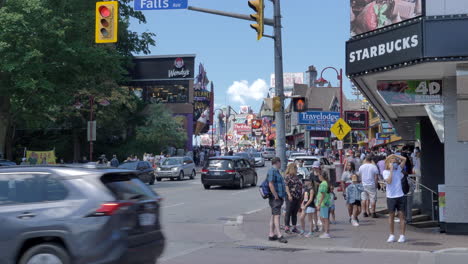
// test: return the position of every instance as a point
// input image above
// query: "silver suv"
(76, 215)
(176, 168)
(269, 153)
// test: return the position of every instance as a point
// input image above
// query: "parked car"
(4, 162)
(144, 170)
(77, 215)
(269, 153)
(293, 155)
(259, 160)
(176, 168)
(246, 155)
(228, 171)
(324, 163)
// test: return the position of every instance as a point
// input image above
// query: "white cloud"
(240, 91)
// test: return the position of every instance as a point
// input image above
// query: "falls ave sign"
(160, 4)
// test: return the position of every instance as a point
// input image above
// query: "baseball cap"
(316, 164)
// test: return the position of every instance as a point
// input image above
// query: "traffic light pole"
(280, 144)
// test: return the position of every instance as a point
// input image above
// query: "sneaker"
(295, 230)
(374, 215)
(366, 215)
(310, 234)
(325, 235)
(273, 238)
(391, 239)
(301, 232)
(282, 240)
(402, 239)
(397, 220)
(354, 223)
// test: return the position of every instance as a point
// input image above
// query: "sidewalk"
(371, 234)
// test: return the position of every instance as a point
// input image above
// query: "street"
(227, 225)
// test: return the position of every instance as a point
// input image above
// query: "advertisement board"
(257, 127)
(357, 120)
(318, 120)
(289, 79)
(242, 129)
(411, 92)
(369, 15)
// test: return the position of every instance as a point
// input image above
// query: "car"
(246, 155)
(228, 171)
(176, 168)
(324, 163)
(259, 160)
(59, 214)
(4, 162)
(143, 168)
(269, 153)
(293, 155)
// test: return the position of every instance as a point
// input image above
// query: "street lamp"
(339, 76)
(212, 127)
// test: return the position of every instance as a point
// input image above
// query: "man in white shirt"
(396, 201)
(369, 175)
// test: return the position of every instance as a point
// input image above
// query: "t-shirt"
(346, 177)
(368, 172)
(381, 165)
(394, 189)
(295, 186)
(323, 192)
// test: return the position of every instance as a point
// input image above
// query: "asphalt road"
(202, 226)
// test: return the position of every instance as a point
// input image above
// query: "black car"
(247, 156)
(4, 162)
(228, 171)
(144, 169)
(57, 214)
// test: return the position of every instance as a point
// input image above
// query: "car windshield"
(128, 165)
(170, 162)
(220, 164)
(257, 155)
(309, 162)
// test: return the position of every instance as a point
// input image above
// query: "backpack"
(405, 184)
(264, 189)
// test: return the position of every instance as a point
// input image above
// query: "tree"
(49, 61)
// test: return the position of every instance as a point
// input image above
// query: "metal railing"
(418, 187)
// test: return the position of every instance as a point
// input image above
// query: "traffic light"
(107, 19)
(276, 104)
(258, 7)
(299, 104)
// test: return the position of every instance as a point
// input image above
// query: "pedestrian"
(332, 204)
(417, 161)
(316, 171)
(323, 205)
(353, 199)
(393, 174)
(370, 178)
(308, 208)
(24, 162)
(231, 152)
(202, 158)
(293, 203)
(278, 191)
(114, 161)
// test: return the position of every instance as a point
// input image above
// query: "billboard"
(289, 79)
(369, 15)
(357, 120)
(411, 92)
(242, 129)
(257, 127)
(318, 120)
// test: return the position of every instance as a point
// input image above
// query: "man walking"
(278, 194)
(114, 161)
(369, 175)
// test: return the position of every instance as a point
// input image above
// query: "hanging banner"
(40, 157)
(357, 120)
(257, 127)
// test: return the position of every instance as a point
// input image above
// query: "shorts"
(276, 205)
(396, 204)
(310, 210)
(324, 212)
(332, 207)
(369, 193)
(358, 203)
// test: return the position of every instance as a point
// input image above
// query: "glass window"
(127, 187)
(172, 161)
(171, 92)
(220, 164)
(55, 190)
(128, 165)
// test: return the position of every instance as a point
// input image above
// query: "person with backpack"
(276, 199)
(396, 182)
(308, 208)
(323, 204)
(294, 197)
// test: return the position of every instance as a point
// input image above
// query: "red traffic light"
(104, 11)
(299, 104)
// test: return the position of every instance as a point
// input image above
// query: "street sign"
(339, 145)
(340, 129)
(160, 4)
(382, 136)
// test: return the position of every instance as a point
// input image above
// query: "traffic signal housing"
(299, 104)
(259, 8)
(107, 20)
(276, 104)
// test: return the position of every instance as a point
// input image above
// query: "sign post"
(141, 5)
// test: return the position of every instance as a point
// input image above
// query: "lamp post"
(339, 75)
(212, 127)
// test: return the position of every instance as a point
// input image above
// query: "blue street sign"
(318, 118)
(160, 4)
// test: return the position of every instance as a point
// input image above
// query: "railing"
(418, 187)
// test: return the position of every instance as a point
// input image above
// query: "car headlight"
(175, 169)
(158, 169)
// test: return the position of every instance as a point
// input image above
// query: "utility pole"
(280, 144)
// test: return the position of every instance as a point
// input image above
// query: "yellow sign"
(40, 157)
(340, 129)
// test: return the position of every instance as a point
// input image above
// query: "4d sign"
(160, 4)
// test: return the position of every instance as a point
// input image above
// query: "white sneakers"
(354, 223)
(325, 235)
(391, 239)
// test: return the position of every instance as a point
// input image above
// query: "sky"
(314, 33)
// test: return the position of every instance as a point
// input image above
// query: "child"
(353, 197)
(332, 206)
(307, 207)
(323, 204)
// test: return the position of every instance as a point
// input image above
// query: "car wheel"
(45, 253)
(255, 181)
(159, 179)
(206, 186)
(181, 176)
(194, 174)
(241, 183)
(152, 180)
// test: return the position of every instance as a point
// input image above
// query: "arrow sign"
(160, 4)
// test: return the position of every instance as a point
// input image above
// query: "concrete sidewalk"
(370, 235)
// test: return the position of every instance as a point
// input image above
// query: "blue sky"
(314, 33)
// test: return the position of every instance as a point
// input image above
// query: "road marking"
(173, 205)
(254, 211)
(239, 192)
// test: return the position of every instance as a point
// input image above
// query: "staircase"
(418, 219)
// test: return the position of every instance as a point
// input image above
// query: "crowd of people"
(312, 198)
